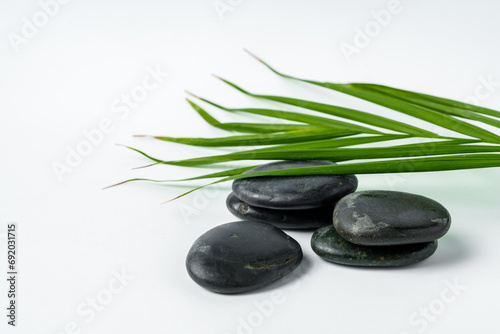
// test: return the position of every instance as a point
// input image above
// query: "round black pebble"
(380, 218)
(293, 192)
(242, 256)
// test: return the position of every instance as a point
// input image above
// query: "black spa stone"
(242, 256)
(286, 219)
(293, 192)
(380, 218)
(329, 245)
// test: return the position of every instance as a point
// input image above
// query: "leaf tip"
(218, 77)
(172, 199)
(140, 167)
(191, 94)
(251, 54)
(114, 185)
(146, 136)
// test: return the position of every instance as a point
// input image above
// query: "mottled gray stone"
(380, 218)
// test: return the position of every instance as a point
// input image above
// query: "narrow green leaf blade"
(415, 98)
(297, 136)
(347, 113)
(429, 115)
(335, 142)
(226, 173)
(331, 143)
(299, 117)
(246, 127)
(264, 127)
(427, 164)
(338, 154)
(444, 101)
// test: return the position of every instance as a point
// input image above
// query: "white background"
(65, 79)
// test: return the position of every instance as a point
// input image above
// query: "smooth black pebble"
(242, 256)
(286, 219)
(380, 218)
(293, 192)
(329, 245)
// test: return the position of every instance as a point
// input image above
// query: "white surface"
(73, 236)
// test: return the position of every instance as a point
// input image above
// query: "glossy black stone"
(293, 192)
(286, 219)
(328, 244)
(242, 256)
(380, 218)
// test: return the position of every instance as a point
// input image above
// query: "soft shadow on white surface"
(452, 250)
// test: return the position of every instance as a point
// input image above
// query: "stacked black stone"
(290, 202)
(382, 228)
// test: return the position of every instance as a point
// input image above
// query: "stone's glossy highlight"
(293, 192)
(328, 244)
(381, 218)
(286, 219)
(242, 256)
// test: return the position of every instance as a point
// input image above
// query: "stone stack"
(367, 228)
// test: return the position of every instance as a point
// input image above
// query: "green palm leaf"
(311, 137)
(246, 127)
(417, 99)
(335, 154)
(296, 136)
(298, 117)
(417, 111)
(352, 114)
